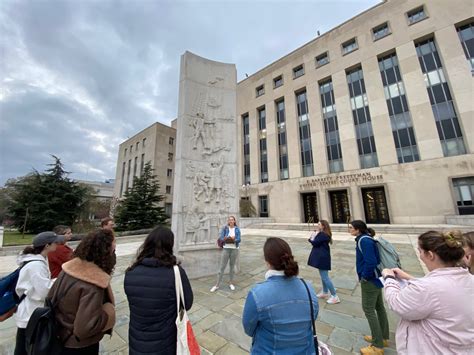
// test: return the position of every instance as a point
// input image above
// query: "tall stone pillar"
(205, 184)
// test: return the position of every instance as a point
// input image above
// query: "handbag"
(220, 242)
(320, 347)
(186, 343)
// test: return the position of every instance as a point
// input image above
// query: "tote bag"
(186, 341)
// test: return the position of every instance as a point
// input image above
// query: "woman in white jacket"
(34, 282)
(436, 311)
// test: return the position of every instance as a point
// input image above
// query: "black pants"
(20, 346)
(90, 350)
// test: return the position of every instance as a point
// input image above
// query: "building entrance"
(340, 206)
(310, 207)
(375, 205)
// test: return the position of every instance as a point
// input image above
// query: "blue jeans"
(327, 283)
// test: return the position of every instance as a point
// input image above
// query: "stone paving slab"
(216, 317)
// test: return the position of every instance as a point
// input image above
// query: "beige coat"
(87, 311)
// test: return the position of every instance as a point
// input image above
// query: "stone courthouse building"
(372, 119)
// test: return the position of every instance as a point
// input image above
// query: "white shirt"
(272, 272)
(231, 234)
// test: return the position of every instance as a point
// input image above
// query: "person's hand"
(386, 272)
(400, 274)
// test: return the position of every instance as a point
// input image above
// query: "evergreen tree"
(38, 202)
(139, 209)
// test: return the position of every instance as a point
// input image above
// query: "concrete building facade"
(372, 120)
(154, 144)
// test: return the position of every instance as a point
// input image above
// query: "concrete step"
(379, 228)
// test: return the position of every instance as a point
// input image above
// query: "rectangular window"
(171, 141)
(170, 156)
(136, 146)
(143, 142)
(125, 152)
(262, 122)
(246, 146)
(449, 130)
(142, 164)
(282, 142)
(131, 149)
(262, 126)
(168, 189)
(259, 91)
(135, 163)
(263, 206)
(416, 15)
(349, 46)
(400, 118)
(128, 174)
(322, 59)
(331, 127)
(380, 31)
(298, 71)
(169, 173)
(464, 191)
(278, 81)
(304, 134)
(168, 209)
(122, 180)
(466, 36)
(362, 121)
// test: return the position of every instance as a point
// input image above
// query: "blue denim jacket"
(277, 316)
(225, 233)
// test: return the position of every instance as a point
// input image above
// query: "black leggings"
(89, 350)
(20, 346)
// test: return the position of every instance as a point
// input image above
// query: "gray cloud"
(78, 77)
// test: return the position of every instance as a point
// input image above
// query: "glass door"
(310, 207)
(375, 205)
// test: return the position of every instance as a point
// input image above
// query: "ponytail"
(33, 250)
(278, 254)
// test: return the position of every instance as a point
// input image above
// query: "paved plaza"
(216, 318)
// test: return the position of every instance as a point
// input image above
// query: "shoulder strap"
(64, 293)
(23, 296)
(312, 315)
(360, 240)
(178, 287)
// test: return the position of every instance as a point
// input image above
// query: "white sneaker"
(323, 294)
(333, 300)
(214, 288)
(232, 287)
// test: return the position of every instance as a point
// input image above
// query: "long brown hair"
(278, 254)
(326, 229)
(159, 245)
(96, 247)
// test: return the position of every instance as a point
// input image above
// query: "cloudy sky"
(79, 77)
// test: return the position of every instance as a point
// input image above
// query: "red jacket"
(57, 258)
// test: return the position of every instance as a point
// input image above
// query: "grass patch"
(16, 238)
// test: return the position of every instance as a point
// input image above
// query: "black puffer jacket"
(151, 296)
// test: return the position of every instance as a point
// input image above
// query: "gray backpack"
(388, 255)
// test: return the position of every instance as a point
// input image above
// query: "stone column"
(205, 185)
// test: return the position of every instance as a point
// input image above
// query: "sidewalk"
(216, 317)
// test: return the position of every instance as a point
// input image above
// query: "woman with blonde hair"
(320, 258)
(230, 239)
(436, 313)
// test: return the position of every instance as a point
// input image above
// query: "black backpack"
(9, 300)
(42, 337)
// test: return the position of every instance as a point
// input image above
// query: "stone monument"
(205, 184)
